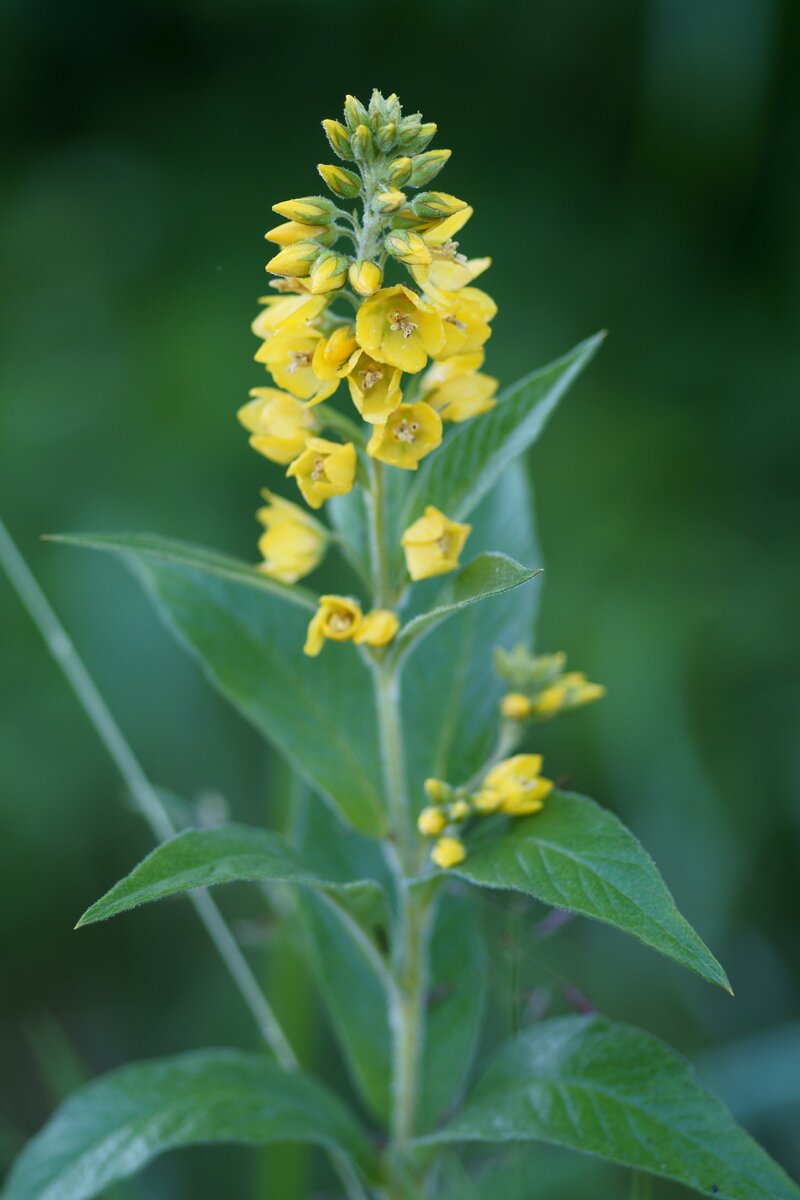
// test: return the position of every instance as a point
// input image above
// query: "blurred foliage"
(632, 165)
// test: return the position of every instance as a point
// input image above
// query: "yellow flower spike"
(467, 314)
(279, 424)
(433, 543)
(459, 810)
(308, 210)
(365, 277)
(431, 822)
(521, 788)
(394, 327)
(486, 801)
(324, 469)
(296, 259)
(436, 206)
(328, 274)
(378, 628)
(292, 543)
(289, 356)
(464, 397)
(338, 138)
(287, 313)
(292, 231)
(438, 791)
(374, 387)
(515, 706)
(337, 618)
(448, 852)
(424, 167)
(342, 182)
(410, 432)
(408, 248)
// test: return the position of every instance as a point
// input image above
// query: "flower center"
(340, 622)
(406, 431)
(318, 469)
(370, 376)
(443, 543)
(450, 251)
(298, 359)
(401, 322)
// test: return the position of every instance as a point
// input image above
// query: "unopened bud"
(308, 210)
(362, 143)
(431, 822)
(365, 277)
(328, 274)
(408, 248)
(438, 791)
(399, 171)
(295, 259)
(459, 810)
(342, 182)
(378, 110)
(408, 130)
(386, 136)
(515, 706)
(292, 231)
(338, 139)
(393, 107)
(435, 206)
(390, 201)
(354, 113)
(426, 166)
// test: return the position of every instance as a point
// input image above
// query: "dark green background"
(633, 165)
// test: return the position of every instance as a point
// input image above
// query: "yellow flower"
(292, 231)
(431, 821)
(522, 789)
(295, 259)
(374, 387)
(394, 327)
(409, 433)
(365, 277)
(292, 543)
(337, 618)
(451, 274)
(378, 628)
(333, 354)
(290, 356)
(448, 852)
(287, 313)
(467, 314)
(464, 397)
(433, 544)
(516, 706)
(324, 469)
(279, 424)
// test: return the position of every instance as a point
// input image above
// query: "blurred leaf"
(203, 858)
(606, 1089)
(348, 515)
(115, 1126)
(250, 644)
(60, 1065)
(579, 856)
(489, 574)
(475, 455)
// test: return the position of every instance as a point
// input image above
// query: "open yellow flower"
(450, 273)
(378, 628)
(433, 543)
(290, 358)
(374, 387)
(394, 327)
(324, 469)
(409, 433)
(287, 313)
(292, 543)
(517, 781)
(279, 424)
(337, 618)
(467, 314)
(464, 396)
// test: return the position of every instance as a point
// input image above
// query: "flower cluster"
(540, 687)
(514, 787)
(409, 348)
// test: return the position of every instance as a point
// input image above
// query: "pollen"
(298, 360)
(340, 622)
(400, 322)
(406, 431)
(370, 376)
(318, 469)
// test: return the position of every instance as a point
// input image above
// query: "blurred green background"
(633, 165)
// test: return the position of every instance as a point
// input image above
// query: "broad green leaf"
(613, 1091)
(112, 1128)
(205, 857)
(490, 574)
(475, 455)
(579, 856)
(450, 697)
(249, 639)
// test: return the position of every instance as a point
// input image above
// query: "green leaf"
(578, 856)
(112, 1128)
(205, 857)
(490, 574)
(348, 515)
(474, 456)
(248, 635)
(606, 1089)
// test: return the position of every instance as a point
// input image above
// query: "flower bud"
(378, 110)
(431, 822)
(399, 171)
(459, 810)
(408, 248)
(338, 139)
(362, 143)
(365, 277)
(295, 259)
(292, 231)
(425, 136)
(435, 206)
(448, 852)
(342, 182)
(393, 107)
(515, 706)
(308, 210)
(328, 274)
(386, 136)
(426, 166)
(354, 113)
(390, 201)
(438, 791)
(408, 130)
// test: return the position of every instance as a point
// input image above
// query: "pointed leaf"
(112, 1128)
(606, 1089)
(248, 634)
(579, 856)
(489, 574)
(205, 857)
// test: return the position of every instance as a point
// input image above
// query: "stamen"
(298, 360)
(455, 321)
(401, 322)
(443, 543)
(318, 469)
(406, 431)
(340, 622)
(370, 376)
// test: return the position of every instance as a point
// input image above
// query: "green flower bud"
(378, 111)
(308, 210)
(354, 113)
(385, 137)
(426, 166)
(328, 274)
(389, 202)
(394, 108)
(435, 206)
(408, 248)
(342, 182)
(399, 171)
(337, 137)
(362, 143)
